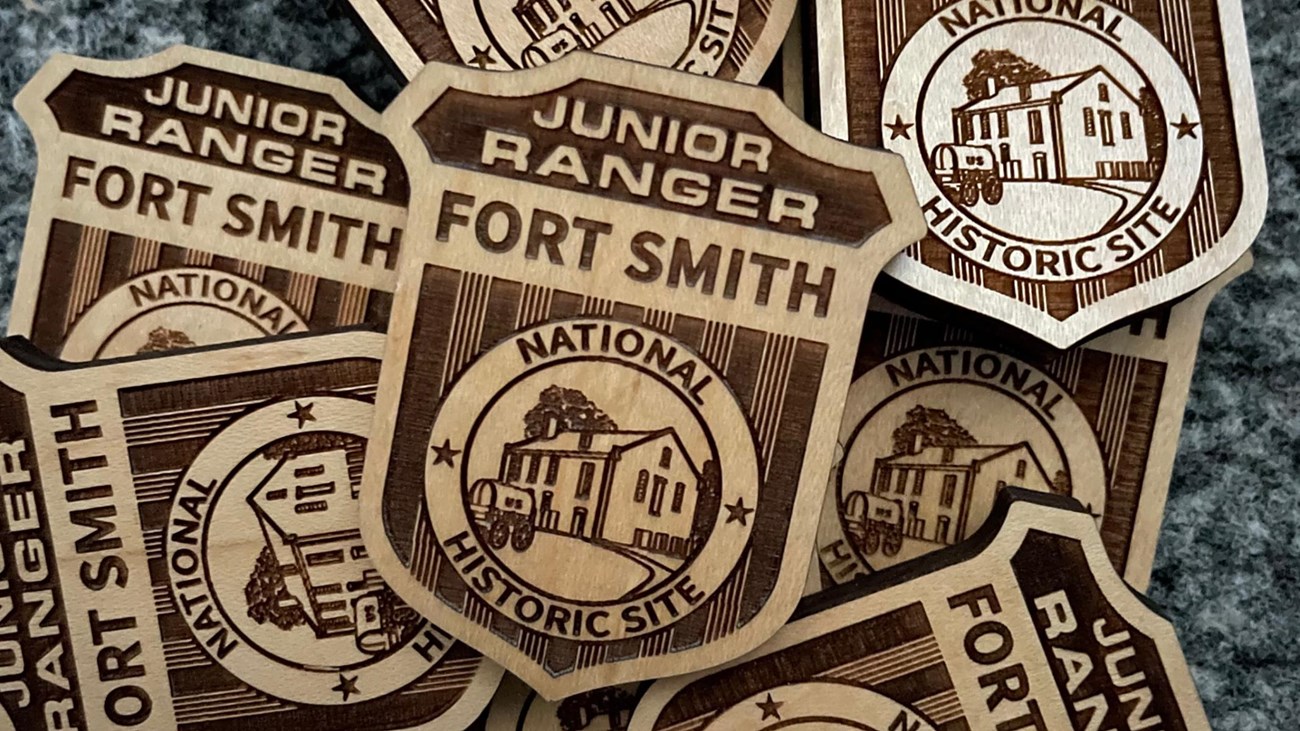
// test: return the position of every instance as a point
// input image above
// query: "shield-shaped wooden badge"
(1028, 627)
(192, 198)
(618, 374)
(1078, 161)
(516, 707)
(728, 39)
(940, 418)
(191, 554)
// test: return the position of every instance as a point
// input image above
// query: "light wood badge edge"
(906, 226)
(1014, 515)
(828, 39)
(31, 105)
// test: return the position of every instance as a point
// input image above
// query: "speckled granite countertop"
(1228, 569)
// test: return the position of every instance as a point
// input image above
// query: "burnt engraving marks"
(610, 403)
(1027, 627)
(1077, 163)
(192, 198)
(191, 553)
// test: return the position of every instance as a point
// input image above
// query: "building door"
(1040, 166)
(578, 525)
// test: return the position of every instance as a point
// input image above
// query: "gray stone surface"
(1228, 563)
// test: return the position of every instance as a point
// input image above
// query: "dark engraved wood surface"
(611, 403)
(192, 198)
(940, 417)
(1025, 627)
(188, 553)
(1067, 184)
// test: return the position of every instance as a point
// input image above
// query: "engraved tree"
(1061, 483)
(1153, 121)
(926, 427)
(1004, 68)
(577, 713)
(569, 409)
(268, 598)
(706, 503)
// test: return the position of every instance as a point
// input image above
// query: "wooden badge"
(185, 549)
(1078, 161)
(1027, 628)
(192, 198)
(729, 39)
(620, 374)
(939, 419)
(516, 707)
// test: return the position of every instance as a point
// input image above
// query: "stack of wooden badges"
(572, 367)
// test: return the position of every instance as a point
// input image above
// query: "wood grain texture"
(1077, 163)
(619, 368)
(940, 417)
(193, 198)
(728, 39)
(190, 550)
(1026, 627)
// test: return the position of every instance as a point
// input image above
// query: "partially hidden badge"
(1077, 162)
(193, 554)
(516, 707)
(1027, 627)
(619, 374)
(729, 39)
(191, 198)
(939, 419)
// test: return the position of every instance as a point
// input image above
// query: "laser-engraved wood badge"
(729, 39)
(1027, 627)
(192, 198)
(1077, 161)
(938, 419)
(183, 549)
(619, 376)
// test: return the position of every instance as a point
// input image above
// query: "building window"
(986, 130)
(1089, 122)
(916, 484)
(327, 589)
(941, 529)
(1126, 125)
(320, 488)
(1020, 469)
(1035, 127)
(1003, 131)
(666, 458)
(585, 474)
(358, 553)
(1103, 93)
(882, 480)
(966, 131)
(277, 494)
(642, 481)
(325, 558)
(657, 497)
(949, 490)
(534, 466)
(679, 494)
(514, 467)
(552, 469)
(1107, 128)
(546, 501)
(314, 506)
(902, 480)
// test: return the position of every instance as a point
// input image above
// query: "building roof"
(1039, 91)
(961, 456)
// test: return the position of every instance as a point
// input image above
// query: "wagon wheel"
(522, 538)
(970, 192)
(992, 190)
(893, 543)
(871, 542)
(498, 533)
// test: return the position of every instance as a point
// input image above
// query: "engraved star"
(347, 686)
(770, 708)
(1186, 127)
(302, 412)
(483, 57)
(899, 128)
(445, 454)
(738, 512)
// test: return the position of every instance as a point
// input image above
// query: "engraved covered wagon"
(968, 173)
(507, 513)
(875, 523)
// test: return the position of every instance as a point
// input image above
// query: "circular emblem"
(1038, 162)
(177, 308)
(690, 35)
(928, 440)
(820, 706)
(266, 564)
(607, 476)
